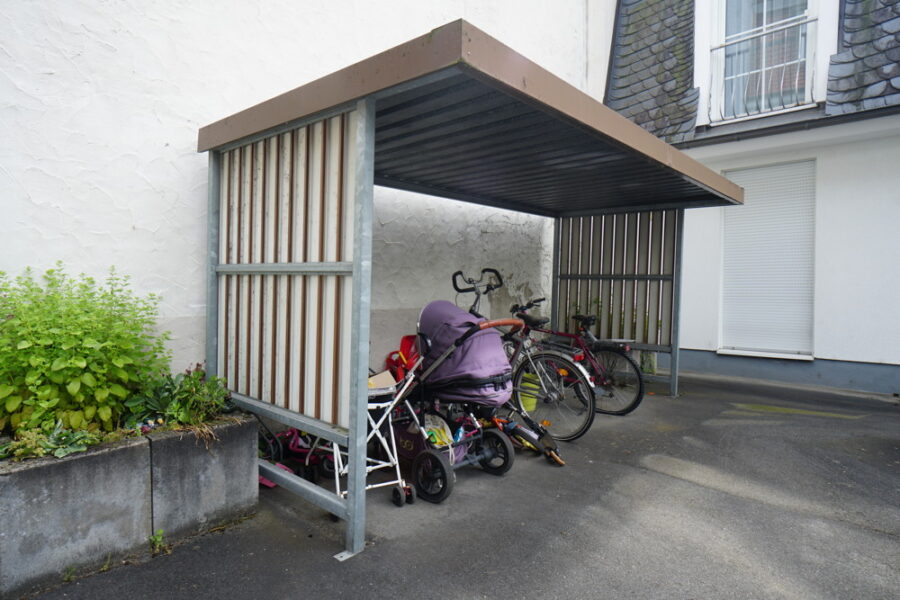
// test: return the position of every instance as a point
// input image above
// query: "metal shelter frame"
(453, 113)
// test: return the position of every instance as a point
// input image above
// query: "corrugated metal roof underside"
(461, 138)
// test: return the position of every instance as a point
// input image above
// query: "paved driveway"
(730, 491)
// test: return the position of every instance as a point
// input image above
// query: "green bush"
(72, 351)
(188, 398)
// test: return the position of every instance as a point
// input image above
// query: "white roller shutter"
(769, 245)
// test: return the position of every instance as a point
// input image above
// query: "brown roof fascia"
(439, 49)
(532, 82)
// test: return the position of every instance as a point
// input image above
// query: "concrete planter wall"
(84, 510)
(195, 487)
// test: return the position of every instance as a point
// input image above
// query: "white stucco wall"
(857, 277)
(101, 103)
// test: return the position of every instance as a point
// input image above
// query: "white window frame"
(709, 32)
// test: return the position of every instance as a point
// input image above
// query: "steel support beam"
(617, 277)
(364, 147)
(315, 427)
(305, 489)
(308, 268)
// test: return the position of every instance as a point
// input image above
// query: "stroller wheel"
(498, 453)
(398, 496)
(433, 476)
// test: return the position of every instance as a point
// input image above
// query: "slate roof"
(652, 69)
(866, 74)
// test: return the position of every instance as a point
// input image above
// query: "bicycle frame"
(583, 352)
(523, 351)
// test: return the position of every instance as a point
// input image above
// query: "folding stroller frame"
(387, 443)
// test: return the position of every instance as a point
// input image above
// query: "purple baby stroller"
(463, 377)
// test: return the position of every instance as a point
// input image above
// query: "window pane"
(743, 15)
(785, 85)
(779, 10)
(743, 83)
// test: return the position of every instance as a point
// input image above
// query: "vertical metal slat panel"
(667, 266)
(643, 268)
(654, 285)
(629, 269)
(312, 321)
(623, 263)
(344, 367)
(255, 228)
(565, 252)
(584, 266)
(289, 199)
(618, 284)
(604, 329)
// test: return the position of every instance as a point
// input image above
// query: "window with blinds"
(767, 295)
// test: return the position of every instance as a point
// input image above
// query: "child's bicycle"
(617, 381)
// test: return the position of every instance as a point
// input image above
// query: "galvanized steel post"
(212, 263)
(364, 146)
(676, 303)
(555, 282)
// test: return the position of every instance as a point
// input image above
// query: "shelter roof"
(460, 115)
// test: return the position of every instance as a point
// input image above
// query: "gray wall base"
(865, 377)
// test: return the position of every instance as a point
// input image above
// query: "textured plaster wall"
(857, 245)
(420, 241)
(102, 100)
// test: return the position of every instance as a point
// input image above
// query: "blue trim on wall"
(867, 377)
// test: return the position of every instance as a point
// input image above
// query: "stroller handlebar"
(516, 324)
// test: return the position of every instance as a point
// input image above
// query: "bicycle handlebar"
(456, 286)
(475, 283)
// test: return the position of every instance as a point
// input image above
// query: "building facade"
(798, 101)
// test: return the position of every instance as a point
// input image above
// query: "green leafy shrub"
(188, 398)
(59, 442)
(73, 351)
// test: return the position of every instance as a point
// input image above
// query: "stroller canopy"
(478, 371)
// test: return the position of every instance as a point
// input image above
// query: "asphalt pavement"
(735, 489)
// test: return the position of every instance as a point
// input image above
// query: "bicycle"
(616, 378)
(551, 392)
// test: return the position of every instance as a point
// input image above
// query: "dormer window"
(763, 59)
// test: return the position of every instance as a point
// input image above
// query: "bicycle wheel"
(619, 385)
(554, 393)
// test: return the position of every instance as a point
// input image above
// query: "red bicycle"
(617, 380)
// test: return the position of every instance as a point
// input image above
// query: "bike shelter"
(455, 114)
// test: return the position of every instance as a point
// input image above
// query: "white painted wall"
(101, 103)
(857, 277)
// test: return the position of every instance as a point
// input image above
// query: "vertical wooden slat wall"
(285, 338)
(620, 267)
